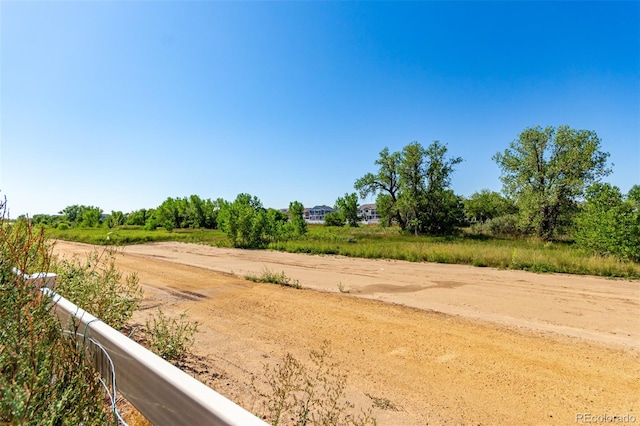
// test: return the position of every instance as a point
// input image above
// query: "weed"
(341, 288)
(170, 338)
(268, 276)
(383, 403)
(302, 395)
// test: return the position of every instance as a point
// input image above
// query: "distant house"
(369, 213)
(316, 214)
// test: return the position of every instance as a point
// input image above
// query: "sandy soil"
(442, 344)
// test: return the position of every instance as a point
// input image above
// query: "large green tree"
(386, 184)
(412, 188)
(547, 170)
(347, 207)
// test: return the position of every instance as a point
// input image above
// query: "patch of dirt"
(420, 343)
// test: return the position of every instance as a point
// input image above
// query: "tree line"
(551, 188)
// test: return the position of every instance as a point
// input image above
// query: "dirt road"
(457, 345)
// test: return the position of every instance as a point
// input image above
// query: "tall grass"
(528, 254)
(136, 235)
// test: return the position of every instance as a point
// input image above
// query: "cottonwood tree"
(546, 170)
(386, 184)
(412, 188)
(347, 207)
(296, 219)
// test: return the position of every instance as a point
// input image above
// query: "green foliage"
(45, 219)
(170, 338)
(243, 221)
(609, 224)
(385, 183)
(506, 225)
(115, 219)
(96, 286)
(247, 224)
(73, 213)
(91, 217)
(546, 170)
(348, 208)
(501, 226)
(296, 219)
(78, 215)
(335, 218)
(188, 212)
(135, 235)
(313, 394)
(267, 276)
(486, 205)
(413, 189)
(45, 379)
(138, 217)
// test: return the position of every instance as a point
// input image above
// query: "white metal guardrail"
(163, 393)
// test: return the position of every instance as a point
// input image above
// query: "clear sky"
(121, 104)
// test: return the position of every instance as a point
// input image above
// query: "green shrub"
(45, 378)
(170, 338)
(609, 224)
(334, 219)
(95, 285)
(505, 225)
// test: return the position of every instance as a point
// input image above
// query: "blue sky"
(121, 104)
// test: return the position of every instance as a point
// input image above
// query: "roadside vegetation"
(554, 213)
(169, 337)
(268, 276)
(47, 372)
(314, 393)
(46, 378)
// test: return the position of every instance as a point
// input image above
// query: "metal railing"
(163, 393)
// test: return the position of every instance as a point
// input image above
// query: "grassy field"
(376, 243)
(136, 235)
